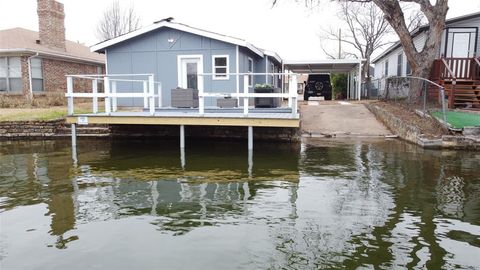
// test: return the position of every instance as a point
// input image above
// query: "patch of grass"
(43, 114)
(460, 119)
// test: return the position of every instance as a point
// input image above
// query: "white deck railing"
(110, 94)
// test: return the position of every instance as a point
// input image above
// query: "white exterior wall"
(418, 41)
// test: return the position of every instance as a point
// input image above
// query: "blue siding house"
(176, 53)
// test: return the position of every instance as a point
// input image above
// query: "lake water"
(319, 204)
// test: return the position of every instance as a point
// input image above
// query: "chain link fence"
(413, 92)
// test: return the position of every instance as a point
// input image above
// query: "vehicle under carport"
(352, 67)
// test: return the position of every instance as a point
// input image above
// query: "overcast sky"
(290, 29)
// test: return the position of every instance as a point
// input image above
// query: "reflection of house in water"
(40, 177)
(145, 180)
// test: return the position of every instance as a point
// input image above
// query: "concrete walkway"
(339, 119)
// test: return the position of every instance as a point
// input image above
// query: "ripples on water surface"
(323, 204)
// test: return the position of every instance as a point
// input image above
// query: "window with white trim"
(220, 67)
(37, 74)
(10, 74)
(250, 70)
(399, 64)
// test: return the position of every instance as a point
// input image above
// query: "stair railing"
(451, 96)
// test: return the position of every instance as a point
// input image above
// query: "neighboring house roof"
(421, 29)
(274, 55)
(100, 47)
(20, 40)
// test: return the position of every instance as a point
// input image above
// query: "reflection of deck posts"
(245, 91)
(182, 146)
(95, 98)
(145, 99)
(107, 96)
(151, 92)
(114, 99)
(182, 136)
(250, 163)
(154, 193)
(250, 138)
(74, 144)
(70, 98)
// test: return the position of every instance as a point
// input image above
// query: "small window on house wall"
(250, 70)
(220, 67)
(409, 69)
(37, 74)
(10, 74)
(399, 64)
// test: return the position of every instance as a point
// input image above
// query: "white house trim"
(181, 27)
(214, 76)
(274, 55)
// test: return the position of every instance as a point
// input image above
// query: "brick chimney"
(51, 22)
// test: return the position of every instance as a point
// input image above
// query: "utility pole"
(339, 43)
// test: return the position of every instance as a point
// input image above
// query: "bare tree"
(367, 32)
(117, 20)
(420, 61)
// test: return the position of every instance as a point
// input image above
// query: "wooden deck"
(191, 117)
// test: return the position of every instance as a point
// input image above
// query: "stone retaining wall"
(413, 134)
(30, 129)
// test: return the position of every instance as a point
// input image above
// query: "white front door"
(189, 66)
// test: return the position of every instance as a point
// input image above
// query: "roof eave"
(100, 47)
(55, 55)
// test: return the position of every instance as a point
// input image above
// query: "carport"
(352, 67)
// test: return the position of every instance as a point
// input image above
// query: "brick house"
(34, 63)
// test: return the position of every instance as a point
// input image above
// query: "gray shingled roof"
(23, 40)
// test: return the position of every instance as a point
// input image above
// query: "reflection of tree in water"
(408, 237)
(385, 207)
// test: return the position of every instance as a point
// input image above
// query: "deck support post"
(70, 92)
(250, 163)
(74, 143)
(114, 99)
(182, 158)
(182, 136)
(245, 91)
(250, 138)
(95, 97)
